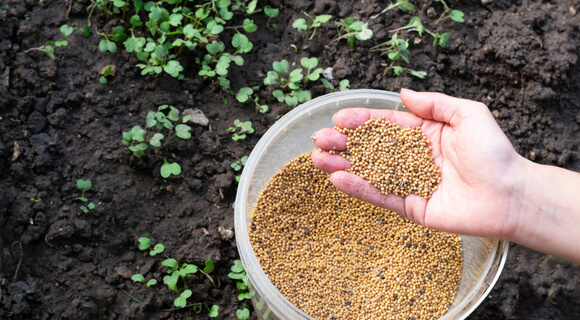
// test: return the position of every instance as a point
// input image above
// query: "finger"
(361, 189)
(355, 117)
(330, 139)
(411, 207)
(438, 106)
(329, 162)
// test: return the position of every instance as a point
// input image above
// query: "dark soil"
(518, 57)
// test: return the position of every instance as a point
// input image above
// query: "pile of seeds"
(336, 257)
(395, 160)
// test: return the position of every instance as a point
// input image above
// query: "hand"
(480, 170)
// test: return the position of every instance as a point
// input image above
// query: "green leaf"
(119, 3)
(443, 40)
(241, 286)
(214, 28)
(144, 243)
(156, 140)
(300, 25)
(175, 19)
(136, 21)
(84, 185)
(49, 50)
(215, 47)
(418, 74)
(171, 264)
(159, 248)
(295, 75)
(83, 199)
(209, 266)
(271, 12)
(278, 94)
(119, 34)
(138, 133)
(213, 312)
(243, 314)
(291, 101)
(252, 7)
(226, 14)
(398, 70)
(91, 206)
(319, 20)
(281, 66)
(84, 209)
(181, 301)
(138, 278)
(85, 30)
(138, 149)
(404, 5)
(315, 74)
(244, 94)
(187, 269)
(66, 30)
(173, 68)
(309, 63)
(150, 283)
(456, 15)
(263, 108)
(168, 169)
(183, 131)
(344, 85)
(171, 281)
(238, 267)
(393, 56)
(271, 78)
(249, 26)
(243, 296)
(241, 42)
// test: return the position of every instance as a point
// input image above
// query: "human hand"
(479, 167)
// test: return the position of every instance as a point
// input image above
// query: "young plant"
(271, 13)
(48, 48)
(140, 278)
(165, 119)
(448, 13)
(311, 73)
(397, 49)
(84, 186)
(238, 165)
(301, 24)
(240, 129)
(289, 81)
(220, 60)
(239, 273)
(106, 72)
(145, 244)
(246, 94)
(414, 25)
(352, 30)
(109, 43)
(403, 5)
(343, 85)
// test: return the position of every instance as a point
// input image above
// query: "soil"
(59, 124)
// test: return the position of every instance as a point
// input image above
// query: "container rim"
(271, 296)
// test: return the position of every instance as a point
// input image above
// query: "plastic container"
(289, 138)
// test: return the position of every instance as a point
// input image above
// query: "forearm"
(549, 211)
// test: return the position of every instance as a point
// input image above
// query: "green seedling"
(109, 43)
(271, 13)
(209, 266)
(311, 73)
(84, 186)
(165, 119)
(352, 30)
(448, 13)
(289, 81)
(397, 49)
(403, 5)
(343, 85)
(140, 278)
(301, 24)
(35, 200)
(106, 72)
(440, 39)
(239, 273)
(238, 165)
(145, 244)
(246, 94)
(241, 129)
(243, 7)
(248, 25)
(414, 25)
(48, 48)
(221, 60)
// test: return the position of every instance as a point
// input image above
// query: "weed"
(238, 165)
(301, 24)
(84, 186)
(167, 119)
(403, 5)
(352, 30)
(241, 129)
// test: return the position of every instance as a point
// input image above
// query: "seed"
(401, 166)
(333, 264)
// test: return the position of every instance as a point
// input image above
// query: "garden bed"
(59, 123)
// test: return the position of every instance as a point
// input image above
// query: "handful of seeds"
(395, 160)
(336, 257)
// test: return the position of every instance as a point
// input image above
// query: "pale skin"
(487, 189)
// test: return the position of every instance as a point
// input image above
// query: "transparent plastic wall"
(291, 137)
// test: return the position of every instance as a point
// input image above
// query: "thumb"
(438, 106)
